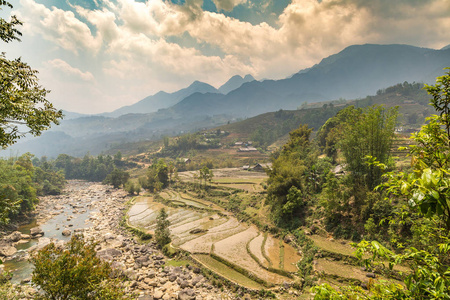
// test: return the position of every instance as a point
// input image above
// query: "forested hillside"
(356, 191)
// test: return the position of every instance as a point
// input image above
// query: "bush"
(74, 272)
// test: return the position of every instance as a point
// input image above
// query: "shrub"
(74, 272)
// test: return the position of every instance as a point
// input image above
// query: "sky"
(98, 55)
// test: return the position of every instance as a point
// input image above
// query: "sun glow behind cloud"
(99, 59)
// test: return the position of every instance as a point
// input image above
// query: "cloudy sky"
(98, 55)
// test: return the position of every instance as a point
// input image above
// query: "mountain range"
(355, 72)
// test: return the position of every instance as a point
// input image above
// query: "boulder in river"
(66, 232)
(13, 237)
(34, 232)
(7, 251)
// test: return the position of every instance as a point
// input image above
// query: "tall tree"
(23, 104)
(162, 232)
(288, 183)
(369, 132)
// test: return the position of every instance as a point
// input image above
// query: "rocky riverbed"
(96, 211)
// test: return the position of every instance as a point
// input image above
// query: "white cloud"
(59, 26)
(64, 67)
(228, 5)
(129, 45)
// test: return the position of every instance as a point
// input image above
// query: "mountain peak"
(248, 78)
(235, 82)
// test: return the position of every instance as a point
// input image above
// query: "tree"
(157, 176)
(205, 174)
(117, 178)
(131, 187)
(74, 272)
(162, 232)
(288, 183)
(22, 99)
(368, 132)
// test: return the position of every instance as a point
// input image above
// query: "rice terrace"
(235, 250)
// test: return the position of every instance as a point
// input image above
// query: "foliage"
(21, 182)
(289, 185)
(157, 176)
(162, 232)
(74, 272)
(117, 178)
(22, 99)
(89, 167)
(132, 187)
(362, 136)
(305, 266)
(425, 190)
(368, 133)
(10, 292)
(205, 174)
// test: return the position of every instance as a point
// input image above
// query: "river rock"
(187, 294)
(25, 237)
(158, 294)
(172, 277)
(13, 237)
(109, 254)
(34, 232)
(7, 250)
(66, 232)
(42, 242)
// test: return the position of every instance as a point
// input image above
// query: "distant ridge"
(162, 100)
(355, 72)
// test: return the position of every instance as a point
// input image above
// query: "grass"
(177, 263)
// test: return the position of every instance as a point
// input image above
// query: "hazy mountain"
(162, 100)
(234, 83)
(72, 115)
(353, 73)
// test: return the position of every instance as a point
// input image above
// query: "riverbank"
(101, 209)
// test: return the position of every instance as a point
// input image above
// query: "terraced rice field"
(341, 270)
(255, 247)
(216, 233)
(227, 272)
(290, 257)
(234, 249)
(272, 251)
